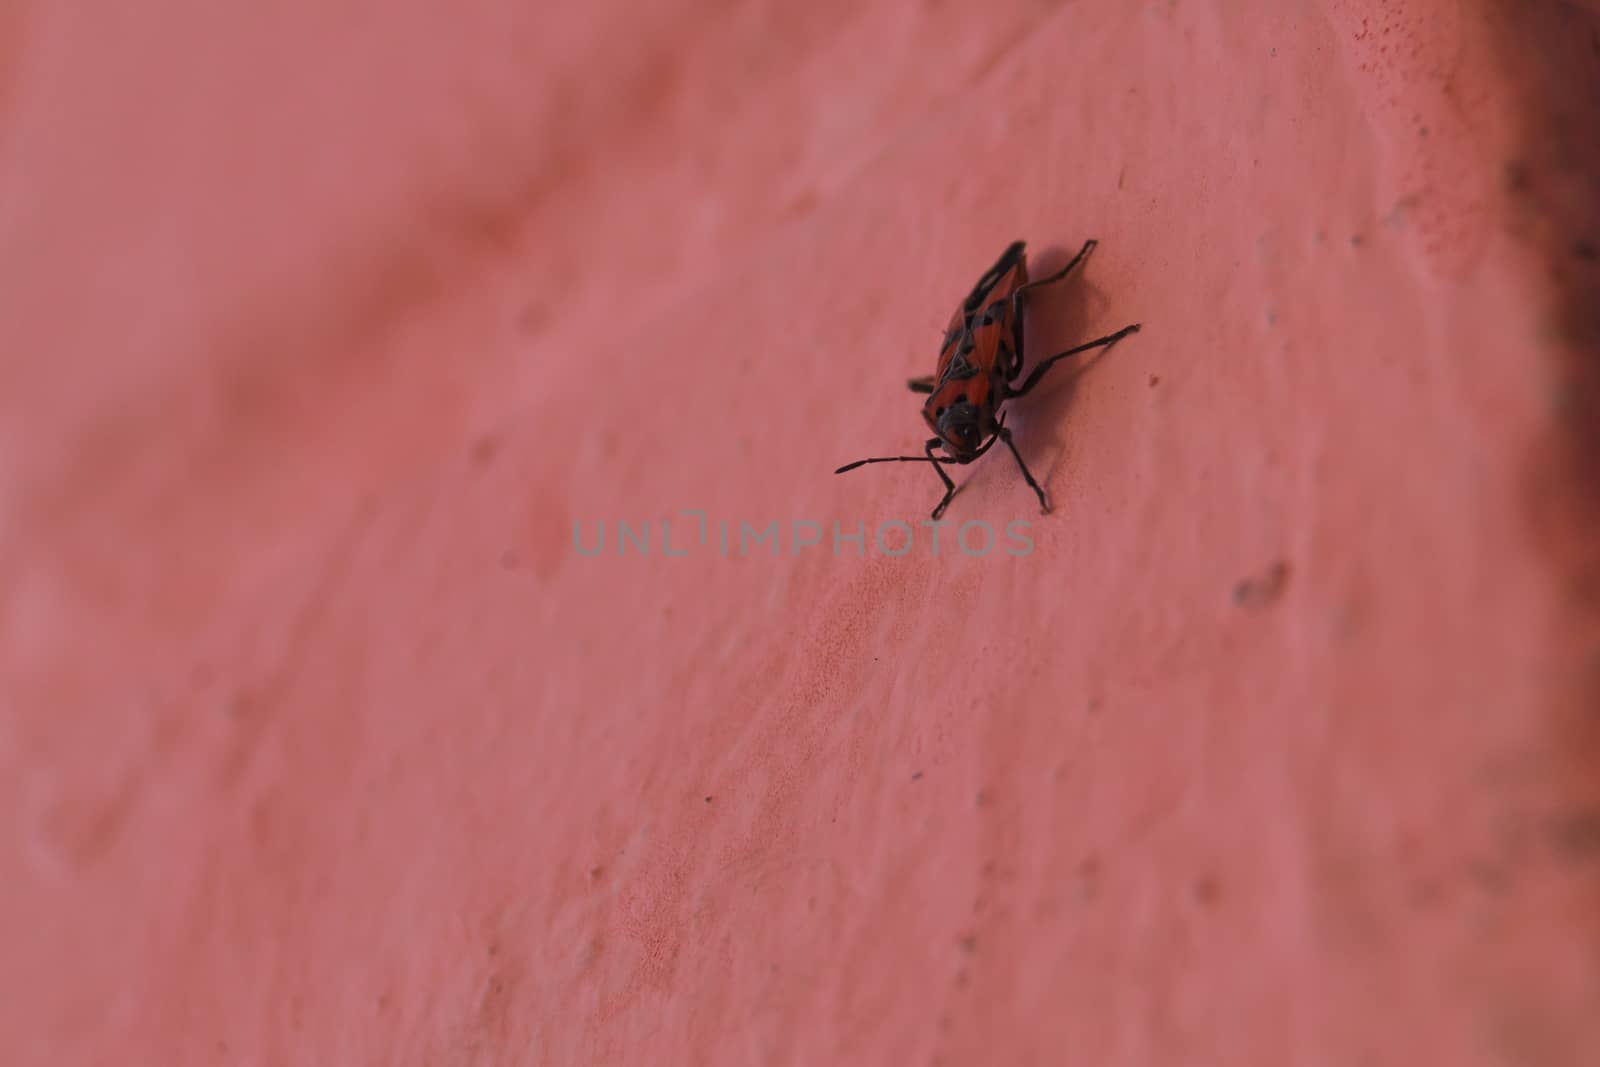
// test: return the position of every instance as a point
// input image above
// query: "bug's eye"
(938, 412)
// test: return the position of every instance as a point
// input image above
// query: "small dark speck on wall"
(484, 449)
(1260, 590)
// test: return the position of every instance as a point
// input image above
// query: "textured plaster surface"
(322, 324)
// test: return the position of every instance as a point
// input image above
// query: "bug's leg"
(1005, 435)
(1099, 342)
(1016, 297)
(1016, 301)
(1088, 246)
(921, 385)
(949, 486)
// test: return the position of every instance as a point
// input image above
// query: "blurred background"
(326, 329)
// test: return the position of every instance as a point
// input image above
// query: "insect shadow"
(1052, 325)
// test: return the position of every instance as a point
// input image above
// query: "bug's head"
(960, 427)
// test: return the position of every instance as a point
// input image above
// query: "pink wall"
(321, 743)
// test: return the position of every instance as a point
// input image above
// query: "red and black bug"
(979, 367)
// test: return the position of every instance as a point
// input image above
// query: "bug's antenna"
(930, 457)
(896, 459)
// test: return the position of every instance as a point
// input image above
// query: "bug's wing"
(981, 329)
(1008, 272)
(955, 336)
